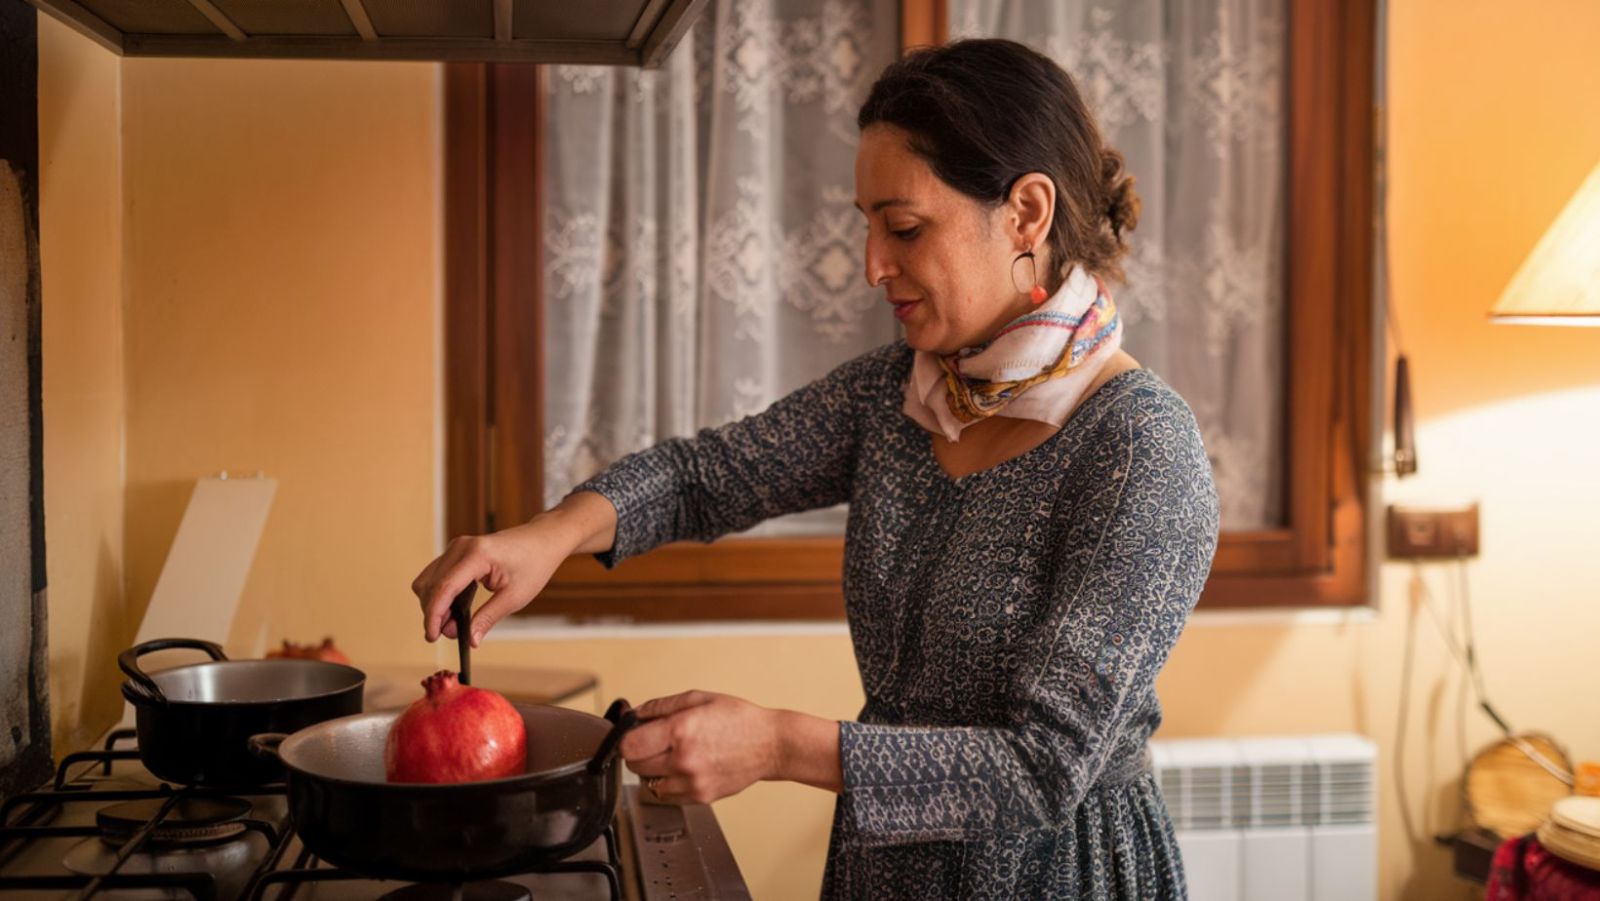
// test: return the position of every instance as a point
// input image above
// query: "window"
(1309, 551)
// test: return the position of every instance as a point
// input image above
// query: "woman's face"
(943, 259)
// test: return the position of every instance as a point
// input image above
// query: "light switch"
(1433, 532)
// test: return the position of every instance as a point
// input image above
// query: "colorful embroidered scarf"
(1037, 367)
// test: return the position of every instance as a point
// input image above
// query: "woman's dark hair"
(985, 112)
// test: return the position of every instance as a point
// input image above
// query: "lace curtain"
(703, 257)
(702, 249)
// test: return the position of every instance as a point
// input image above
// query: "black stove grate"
(104, 757)
(40, 808)
(29, 816)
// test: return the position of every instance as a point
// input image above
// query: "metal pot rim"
(542, 777)
(131, 691)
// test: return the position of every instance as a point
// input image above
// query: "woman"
(1032, 518)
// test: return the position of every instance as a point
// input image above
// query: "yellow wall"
(80, 246)
(281, 275)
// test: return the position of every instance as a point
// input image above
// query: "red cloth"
(1524, 870)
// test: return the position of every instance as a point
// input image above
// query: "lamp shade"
(1559, 283)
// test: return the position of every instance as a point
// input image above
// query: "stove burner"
(472, 891)
(192, 821)
(227, 863)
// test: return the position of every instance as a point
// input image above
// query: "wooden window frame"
(495, 380)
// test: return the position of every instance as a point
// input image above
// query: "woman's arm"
(798, 454)
(701, 746)
(587, 522)
(808, 751)
(514, 563)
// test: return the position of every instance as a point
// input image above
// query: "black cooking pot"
(349, 815)
(195, 722)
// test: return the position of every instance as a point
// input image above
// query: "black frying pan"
(195, 722)
(348, 813)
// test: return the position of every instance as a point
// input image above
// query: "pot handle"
(623, 718)
(128, 662)
(265, 745)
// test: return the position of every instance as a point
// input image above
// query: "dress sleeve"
(797, 455)
(1137, 553)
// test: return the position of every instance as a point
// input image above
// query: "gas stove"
(106, 828)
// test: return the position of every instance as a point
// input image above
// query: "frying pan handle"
(265, 745)
(623, 718)
(128, 662)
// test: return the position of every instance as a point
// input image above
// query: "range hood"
(591, 32)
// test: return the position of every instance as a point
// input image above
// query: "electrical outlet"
(1438, 532)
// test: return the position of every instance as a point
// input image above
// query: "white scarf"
(1057, 349)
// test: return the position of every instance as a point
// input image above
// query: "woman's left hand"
(700, 746)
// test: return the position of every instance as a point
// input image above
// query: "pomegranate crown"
(439, 682)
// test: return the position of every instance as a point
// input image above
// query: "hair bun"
(1122, 201)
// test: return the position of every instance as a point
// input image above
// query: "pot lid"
(614, 33)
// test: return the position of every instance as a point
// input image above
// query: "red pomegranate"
(326, 652)
(455, 733)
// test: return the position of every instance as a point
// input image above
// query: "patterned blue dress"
(1009, 624)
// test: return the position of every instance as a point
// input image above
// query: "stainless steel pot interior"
(255, 681)
(351, 748)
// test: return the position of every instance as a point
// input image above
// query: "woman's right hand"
(513, 563)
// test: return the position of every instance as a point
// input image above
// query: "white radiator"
(1289, 818)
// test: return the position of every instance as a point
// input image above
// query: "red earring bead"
(1037, 295)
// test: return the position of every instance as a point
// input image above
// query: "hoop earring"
(1037, 295)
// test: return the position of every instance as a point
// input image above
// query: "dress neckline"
(1100, 395)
